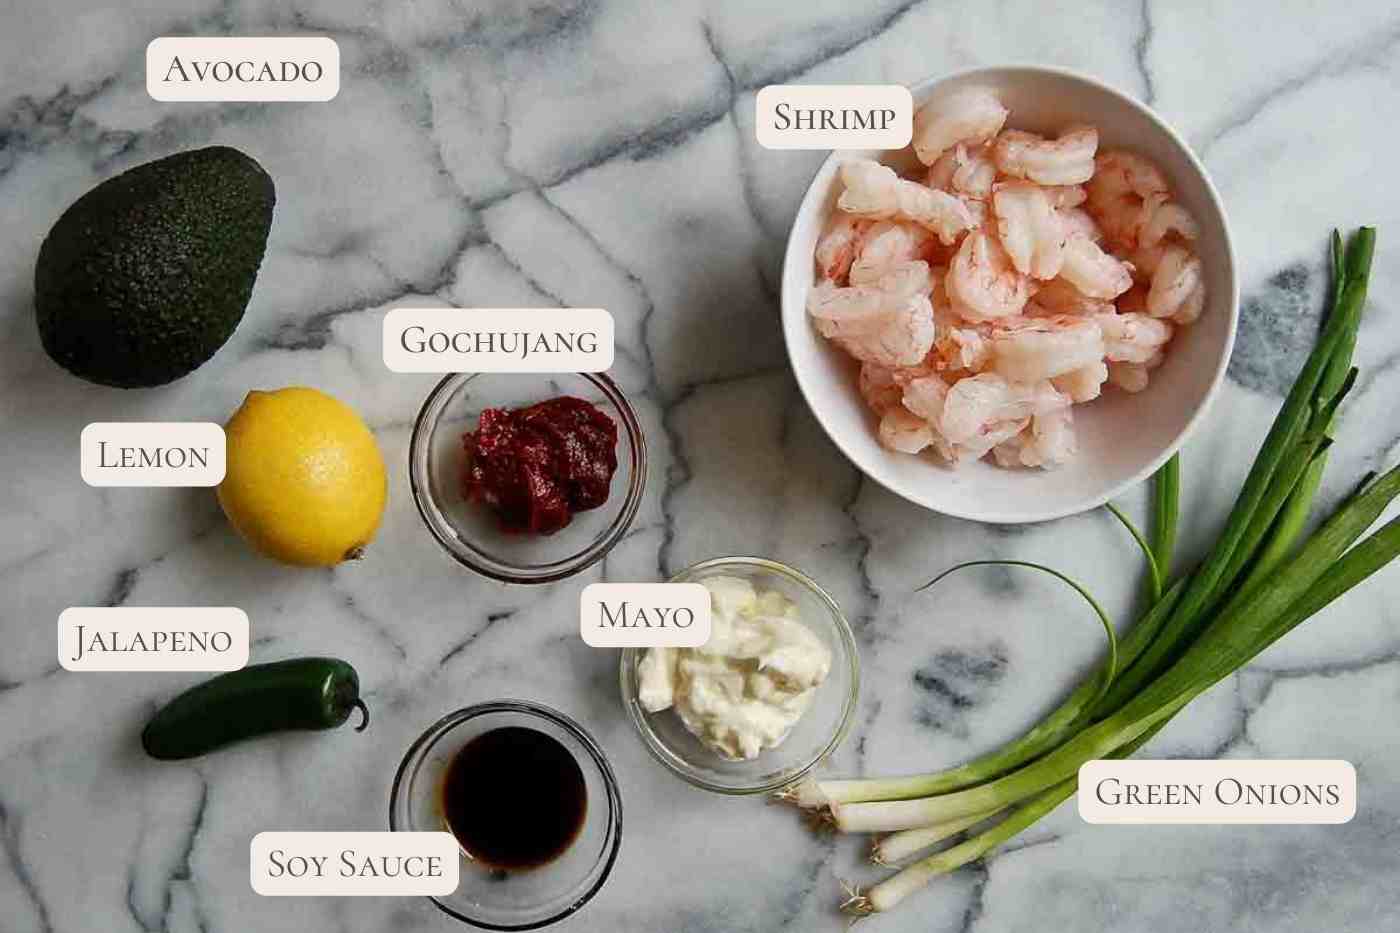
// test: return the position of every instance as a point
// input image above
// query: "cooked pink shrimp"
(982, 284)
(1066, 196)
(1068, 160)
(926, 397)
(991, 437)
(1008, 453)
(1029, 228)
(838, 245)
(972, 115)
(1048, 442)
(1165, 218)
(964, 347)
(1058, 296)
(1077, 222)
(1119, 191)
(1084, 384)
(975, 404)
(1095, 273)
(904, 431)
(860, 307)
(1133, 301)
(1132, 377)
(874, 191)
(1132, 338)
(878, 388)
(966, 170)
(902, 339)
(1192, 307)
(884, 244)
(1174, 281)
(1042, 348)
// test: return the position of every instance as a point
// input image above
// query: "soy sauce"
(515, 798)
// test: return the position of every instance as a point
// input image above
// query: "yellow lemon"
(305, 481)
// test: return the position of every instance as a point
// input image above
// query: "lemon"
(305, 482)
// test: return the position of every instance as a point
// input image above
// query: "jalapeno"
(301, 693)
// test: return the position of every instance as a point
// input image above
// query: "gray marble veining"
(494, 152)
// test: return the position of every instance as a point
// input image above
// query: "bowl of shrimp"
(1023, 313)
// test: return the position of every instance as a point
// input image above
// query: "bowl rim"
(845, 635)
(791, 260)
(478, 560)
(529, 708)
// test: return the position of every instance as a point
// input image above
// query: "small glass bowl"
(523, 900)
(816, 734)
(468, 530)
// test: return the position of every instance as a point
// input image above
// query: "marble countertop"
(501, 153)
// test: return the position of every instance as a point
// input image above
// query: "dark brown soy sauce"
(515, 798)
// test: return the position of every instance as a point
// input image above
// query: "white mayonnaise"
(746, 687)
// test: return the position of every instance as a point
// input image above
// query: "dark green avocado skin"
(144, 277)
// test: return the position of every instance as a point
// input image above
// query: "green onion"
(894, 889)
(1164, 516)
(1262, 578)
(897, 847)
(1210, 583)
(1154, 573)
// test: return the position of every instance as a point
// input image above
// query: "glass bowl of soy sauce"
(532, 802)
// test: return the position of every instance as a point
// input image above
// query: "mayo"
(744, 689)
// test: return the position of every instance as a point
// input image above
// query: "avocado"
(144, 277)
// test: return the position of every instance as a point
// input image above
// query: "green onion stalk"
(1263, 576)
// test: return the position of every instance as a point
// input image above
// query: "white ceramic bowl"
(1123, 438)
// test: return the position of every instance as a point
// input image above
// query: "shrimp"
(982, 284)
(903, 339)
(995, 434)
(839, 244)
(1133, 301)
(926, 397)
(1175, 281)
(878, 387)
(964, 170)
(1132, 338)
(884, 244)
(1008, 453)
(1058, 296)
(889, 323)
(1095, 273)
(904, 431)
(1084, 384)
(1119, 192)
(1066, 196)
(964, 348)
(1048, 442)
(1029, 228)
(1068, 160)
(970, 115)
(1130, 377)
(1042, 348)
(975, 404)
(859, 307)
(1164, 218)
(1079, 222)
(874, 191)
(1192, 307)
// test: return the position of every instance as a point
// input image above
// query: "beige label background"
(149, 434)
(331, 845)
(161, 52)
(862, 97)
(1209, 774)
(128, 620)
(649, 596)
(533, 321)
